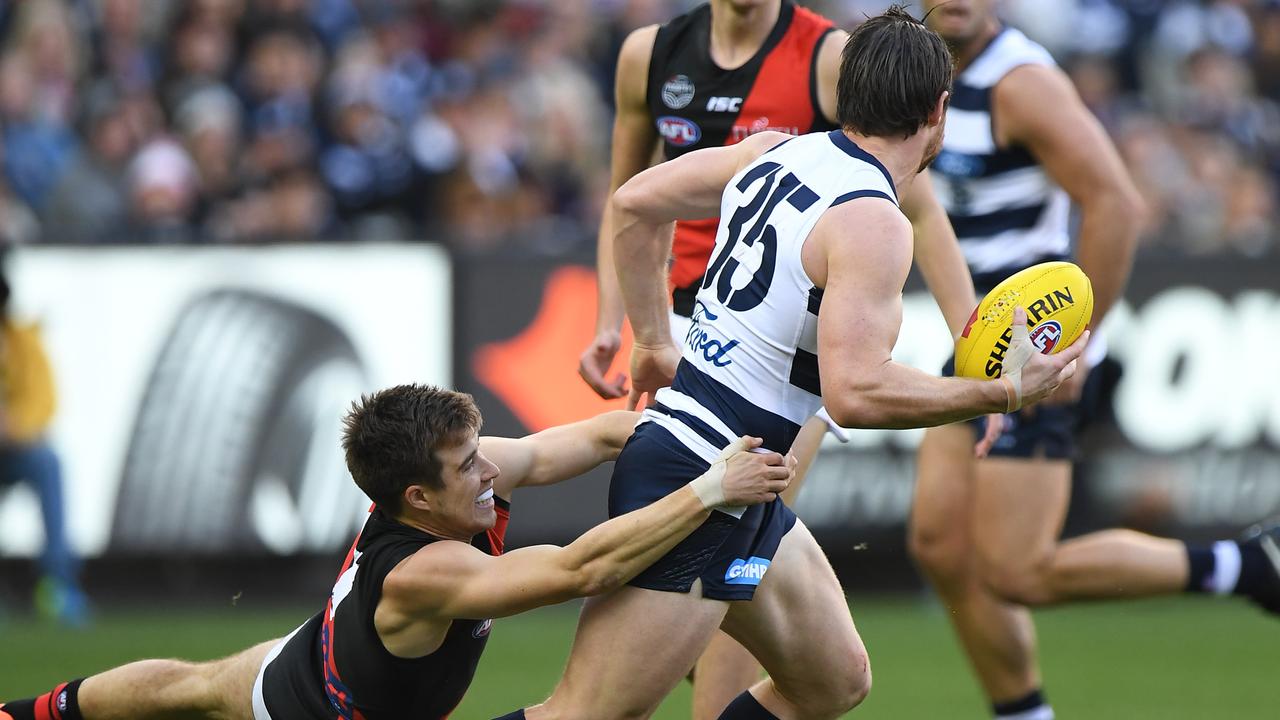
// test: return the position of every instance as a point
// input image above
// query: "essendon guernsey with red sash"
(335, 666)
(697, 104)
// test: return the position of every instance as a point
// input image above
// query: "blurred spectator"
(26, 408)
(483, 123)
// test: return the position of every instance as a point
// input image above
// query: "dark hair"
(892, 71)
(391, 437)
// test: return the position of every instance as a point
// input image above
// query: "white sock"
(1226, 567)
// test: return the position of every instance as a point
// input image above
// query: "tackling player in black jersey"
(409, 615)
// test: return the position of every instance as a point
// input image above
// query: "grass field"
(1166, 659)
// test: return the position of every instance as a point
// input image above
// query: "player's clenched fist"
(745, 475)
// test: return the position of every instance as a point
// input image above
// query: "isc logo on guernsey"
(746, 572)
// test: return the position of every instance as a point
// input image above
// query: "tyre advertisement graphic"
(201, 391)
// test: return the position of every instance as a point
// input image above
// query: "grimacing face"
(958, 21)
(464, 505)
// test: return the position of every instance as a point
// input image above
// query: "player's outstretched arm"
(938, 254)
(1075, 151)
(453, 579)
(634, 141)
(860, 253)
(559, 453)
(644, 210)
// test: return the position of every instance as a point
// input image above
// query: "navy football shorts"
(1042, 431)
(729, 554)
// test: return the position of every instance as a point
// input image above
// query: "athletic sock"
(517, 715)
(746, 707)
(1032, 706)
(1255, 572)
(60, 703)
(1220, 568)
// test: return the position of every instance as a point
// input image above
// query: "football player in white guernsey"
(800, 308)
(1019, 146)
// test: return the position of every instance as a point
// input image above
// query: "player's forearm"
(612, 553)
(641, 248)
(945, 271)
(609, 310)
(1108, 240)
(897, 396)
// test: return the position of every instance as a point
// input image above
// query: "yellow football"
(1058, 299)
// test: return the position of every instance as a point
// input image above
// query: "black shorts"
(729, 554)
(1042, 431)
(289, 685)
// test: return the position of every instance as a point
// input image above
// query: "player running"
(403, 630)
(801, 302)
(712, 77)
(1019, 147)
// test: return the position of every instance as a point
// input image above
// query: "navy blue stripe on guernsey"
(968, 97)
(815, 299)
(861, 194)
(804, 372)
(694, 423)
(733, 410)
(851, 149)
(983, 165)
(984, 281)
(980, 226)
(775, 147)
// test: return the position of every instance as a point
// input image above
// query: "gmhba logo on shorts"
(746, 572)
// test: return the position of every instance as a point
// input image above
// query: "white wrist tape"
(1019, 353)
(709, 486)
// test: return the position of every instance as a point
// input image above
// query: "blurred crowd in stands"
(485, 123)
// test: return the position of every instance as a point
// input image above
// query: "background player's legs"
(726, 668)
(998, 637)
(1021, 505)
(722, 673)
(632, 646)
(798, 625)
(219, 689)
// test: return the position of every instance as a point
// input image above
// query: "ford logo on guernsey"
(679, 131)
(746, 572)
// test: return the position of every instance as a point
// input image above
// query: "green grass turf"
(1167, 659)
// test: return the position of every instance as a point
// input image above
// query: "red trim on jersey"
(498, 533)
(779, 100)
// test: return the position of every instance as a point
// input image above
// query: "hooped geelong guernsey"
(750, 363)
(1007, 213)
(335, 665)
(697, 104)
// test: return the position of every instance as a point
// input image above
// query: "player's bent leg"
(798, 626)
(217, 690)
(722, 673)
(632, 647)
(998, 638)
(1020, 505)
(942, 509)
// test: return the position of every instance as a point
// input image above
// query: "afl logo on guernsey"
(677, 92)
(482, 628)
(679, 131)
(1046, 335)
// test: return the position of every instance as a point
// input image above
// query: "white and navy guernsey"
(1007, 213)
(750, 364)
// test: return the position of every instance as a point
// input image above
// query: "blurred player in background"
(1020, 146)
(410, 613)
(714, 76)
(801, 307)
(27, 403)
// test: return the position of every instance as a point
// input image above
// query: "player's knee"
(937, 551)
(1021, 583)
(844, 690)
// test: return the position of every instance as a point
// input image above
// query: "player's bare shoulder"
(633, 62)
